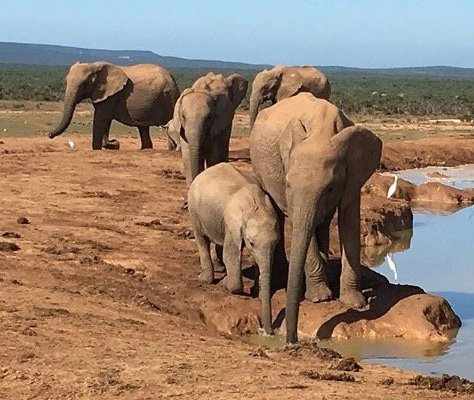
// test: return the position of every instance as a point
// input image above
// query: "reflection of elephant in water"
(282, 82)
(141, 95)
(230, 209)
(202, 121)
(311, 160)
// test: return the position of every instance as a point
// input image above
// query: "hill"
(45, 54)
(52, 55)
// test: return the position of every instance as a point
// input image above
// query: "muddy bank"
(395, 311)
(406, 154)
(446, 152)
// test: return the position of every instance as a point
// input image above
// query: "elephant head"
(97, 81)
(322, 174)
(282, 82)
(261, 236)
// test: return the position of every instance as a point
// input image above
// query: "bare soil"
(99, 301)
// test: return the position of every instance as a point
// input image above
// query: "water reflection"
(461, 177)
(376, 255)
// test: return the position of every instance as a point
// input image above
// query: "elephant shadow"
(381, 293)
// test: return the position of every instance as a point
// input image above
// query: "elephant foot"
(206, 276)
(112, 144)
(353, 298)
(146, 146)
(318, 293)
(233, 287)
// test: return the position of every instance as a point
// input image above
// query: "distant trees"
(355, 94)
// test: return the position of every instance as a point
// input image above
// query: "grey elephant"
(281, 82)
(202, 121)
(311, 160)
(229, 208)
(141, 95)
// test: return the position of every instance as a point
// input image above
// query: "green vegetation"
(355, 93)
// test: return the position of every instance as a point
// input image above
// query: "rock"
(446, 382)
(7, 246)
(395, 311)
(346, 364)
(430, 192)
(22, 221)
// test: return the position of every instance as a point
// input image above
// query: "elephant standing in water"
(311, 160)
(202, 121)
(281, 82)
(141, 95)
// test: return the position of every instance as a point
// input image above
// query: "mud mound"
(446, 382)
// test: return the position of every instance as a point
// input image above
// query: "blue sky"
(362, 33)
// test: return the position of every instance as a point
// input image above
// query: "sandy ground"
(97, 305)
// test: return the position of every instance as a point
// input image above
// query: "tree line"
(354, 93)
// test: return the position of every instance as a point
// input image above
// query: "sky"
(356, 33)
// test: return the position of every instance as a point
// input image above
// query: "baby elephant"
(229, 208)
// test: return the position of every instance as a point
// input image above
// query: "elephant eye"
(330, 189)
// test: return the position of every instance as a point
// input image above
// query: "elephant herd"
(309, 162)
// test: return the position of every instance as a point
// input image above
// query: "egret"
(393, 187)
(392, 266)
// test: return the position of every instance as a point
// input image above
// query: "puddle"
(461, 177)
(437, 256)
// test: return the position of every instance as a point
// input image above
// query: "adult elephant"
(141, 95)
(312, 160)
(202, 121)
(282, 82)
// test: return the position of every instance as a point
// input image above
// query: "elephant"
(202, 121)
(141, 95)
(229, 208)
(311, 159)
(282, 82)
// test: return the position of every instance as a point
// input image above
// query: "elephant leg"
(219, 149)
(145, 137)
(219, 260)
(317, 288)
(232, 255)
(349, 231)
(100, 130)
(207, 271)
(279, 275)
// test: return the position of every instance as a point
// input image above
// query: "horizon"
(363, 34)
(233, 61)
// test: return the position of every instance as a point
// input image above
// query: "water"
(437, 256)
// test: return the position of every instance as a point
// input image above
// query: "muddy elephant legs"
(349, 231)
(145, 137)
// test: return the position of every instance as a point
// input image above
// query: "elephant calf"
(229, 208)
(202, 121)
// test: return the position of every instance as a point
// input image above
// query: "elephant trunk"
(264, 263)
(303, 227)
(255, 102)
(70, 101)
(196, 157)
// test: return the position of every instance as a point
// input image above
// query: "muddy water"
(437, 255)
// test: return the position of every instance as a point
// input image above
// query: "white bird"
(393, 187)
(392, 266)
(71, 144)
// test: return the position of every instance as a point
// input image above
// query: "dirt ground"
(99, 301)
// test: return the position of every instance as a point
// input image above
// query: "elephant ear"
(362, 151)
(291, 84)
(108, 81)
(294, 133)
(341, 122)
(238, 89)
